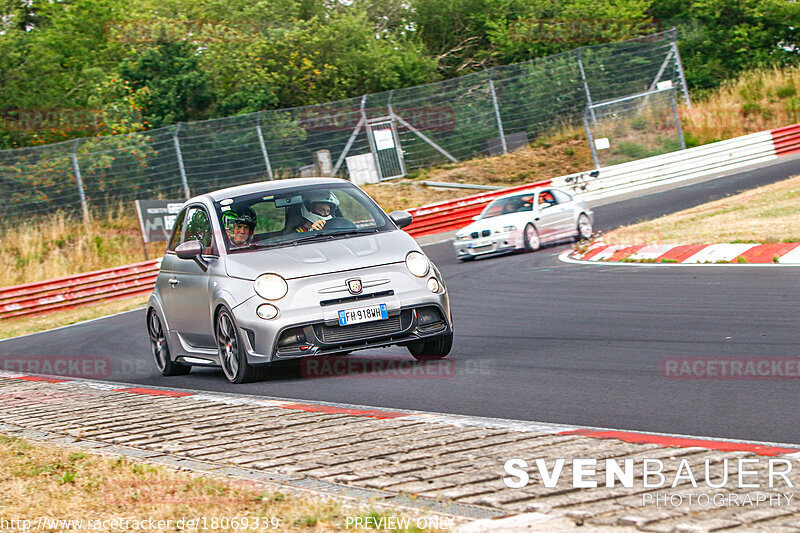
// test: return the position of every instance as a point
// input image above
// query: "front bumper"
(308, 322)
(495, 243)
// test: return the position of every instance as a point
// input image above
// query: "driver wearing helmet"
(240, 224)
(318, 207)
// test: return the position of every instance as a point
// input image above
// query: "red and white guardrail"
(81, 289)
(139, 278)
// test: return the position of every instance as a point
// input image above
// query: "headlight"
(510, 228)
(270, 286)
(433, 285)
(462, 237)
(267, 311)
(417, 264)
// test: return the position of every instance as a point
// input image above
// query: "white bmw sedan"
(524, 221)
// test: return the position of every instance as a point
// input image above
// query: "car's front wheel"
(232, 356)
(160, 349)
(531, 236)
(435, 348)
(584, 227)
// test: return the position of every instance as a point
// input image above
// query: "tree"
(178, 89)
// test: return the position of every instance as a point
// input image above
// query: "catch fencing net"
(365, 139)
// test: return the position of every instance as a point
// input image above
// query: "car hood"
(498, 222)
(323, 257)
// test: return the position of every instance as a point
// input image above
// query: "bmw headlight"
(418, 264)
(270, 286)
(510, 228)
(463, 237)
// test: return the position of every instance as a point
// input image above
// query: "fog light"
(433, 285)
(267, 311)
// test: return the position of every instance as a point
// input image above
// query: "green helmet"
(238, 215)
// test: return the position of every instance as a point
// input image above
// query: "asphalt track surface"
(542, 340)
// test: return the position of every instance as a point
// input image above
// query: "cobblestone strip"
(441, 463)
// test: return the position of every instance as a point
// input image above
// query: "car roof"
(275, 185)
(522, 193)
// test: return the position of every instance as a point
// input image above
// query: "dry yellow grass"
(57, 246)
(758, 100)
(764, 215)
(13, 327)
(61, 483)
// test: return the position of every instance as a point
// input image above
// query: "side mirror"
(192, 250)
(189, 250)
(401, 218)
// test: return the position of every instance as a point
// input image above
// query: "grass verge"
(764, 215)
(57, 483)
(14, 327)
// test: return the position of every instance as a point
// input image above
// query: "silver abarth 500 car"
(524, 221)
(292, 268)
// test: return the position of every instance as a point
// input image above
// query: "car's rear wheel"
(435, 348)
(160, 349)
(232, 356)
(585, 229)
(532, 242)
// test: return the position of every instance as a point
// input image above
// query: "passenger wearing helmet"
(240, 224)
(318, 207)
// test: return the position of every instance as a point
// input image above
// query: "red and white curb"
(665, 440)
(690, 254)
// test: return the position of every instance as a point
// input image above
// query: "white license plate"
(363, 314)
(480, 244)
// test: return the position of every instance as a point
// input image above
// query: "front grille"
(331, 334)
(474, 235)
(347, 299)
(486, 232)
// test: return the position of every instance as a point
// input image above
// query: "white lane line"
(73, 325)
(719, 252)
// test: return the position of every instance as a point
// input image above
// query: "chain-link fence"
(373, 137)
(634, 127)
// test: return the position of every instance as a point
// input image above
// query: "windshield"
(290, 216)
(509, 204)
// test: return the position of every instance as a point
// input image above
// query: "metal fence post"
(679, 64)
(497, 114)
(177, 144)
(79, 181)
(677, 119)
(263, 148)
(591, 143)
(585, 84)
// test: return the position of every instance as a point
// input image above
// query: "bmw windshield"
(509, 204)
(291, 216)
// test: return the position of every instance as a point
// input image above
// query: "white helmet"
(317, 197)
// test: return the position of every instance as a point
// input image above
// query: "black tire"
(436, 348)
(160, 349)
(585, 229)
(232, 356)
(531, 236)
